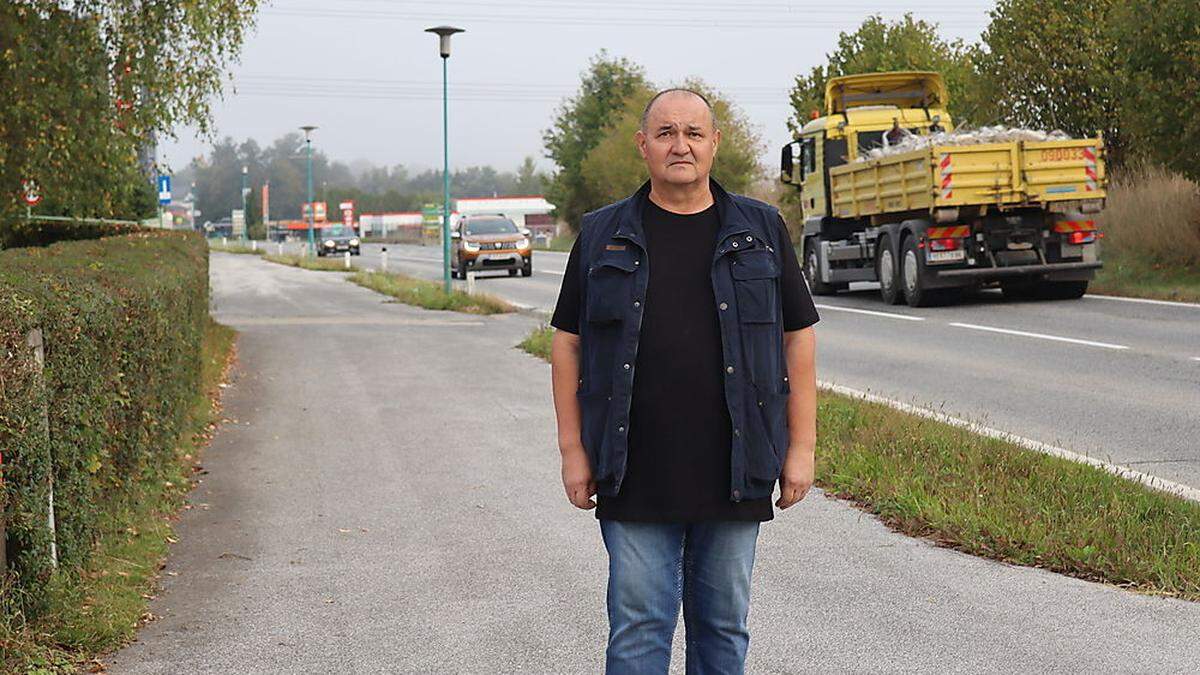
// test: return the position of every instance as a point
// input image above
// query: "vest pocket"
(768, 438)
(609, 290)
(594, 409)
(756, 285)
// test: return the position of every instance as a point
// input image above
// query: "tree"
(614, 168)
(1158, 45)
(88, 84)
(582, 122)
(1051, 64)
(907, 44)
(530, 181)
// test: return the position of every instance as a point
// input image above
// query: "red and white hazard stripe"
(1089, 167)
(947, 177)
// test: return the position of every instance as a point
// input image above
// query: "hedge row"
(122, 319)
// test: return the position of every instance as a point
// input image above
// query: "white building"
(532, 211)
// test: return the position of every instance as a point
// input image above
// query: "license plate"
(946, 256)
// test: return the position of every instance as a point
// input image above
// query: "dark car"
(487, 243)
(332, 240)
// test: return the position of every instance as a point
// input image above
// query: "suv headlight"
(470, 245)
(329, 243)
(523, 242)
(354, 242)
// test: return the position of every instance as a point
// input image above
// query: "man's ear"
(716, 141)
(640, 139)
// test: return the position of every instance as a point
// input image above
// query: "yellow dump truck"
(891, 194)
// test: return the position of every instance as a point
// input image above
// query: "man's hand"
(796, 478)
(577, 478)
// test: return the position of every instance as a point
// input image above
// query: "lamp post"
(312, 246)
(245, 191)
(444, 33)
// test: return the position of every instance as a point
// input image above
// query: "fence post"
(34, 341)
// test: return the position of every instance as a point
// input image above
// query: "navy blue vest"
(615, 271)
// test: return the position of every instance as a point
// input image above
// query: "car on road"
(485, 243)
(336, 239)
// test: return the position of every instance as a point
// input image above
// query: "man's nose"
(679, 145)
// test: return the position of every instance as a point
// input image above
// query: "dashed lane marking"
(1040, 336)
(871, 312)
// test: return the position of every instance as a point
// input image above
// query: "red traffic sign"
(31, 194)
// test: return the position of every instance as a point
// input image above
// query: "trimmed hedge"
(122, 319)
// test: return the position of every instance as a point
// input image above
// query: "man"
(684, 389)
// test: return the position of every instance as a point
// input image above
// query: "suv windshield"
(490, 226)
(337, 232)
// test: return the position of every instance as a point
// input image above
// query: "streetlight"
(444, 33)
(312, 246)
(245, 191)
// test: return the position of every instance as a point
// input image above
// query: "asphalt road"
(1109, 378)
(385, 497)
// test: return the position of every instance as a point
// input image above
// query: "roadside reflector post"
(383, 260)
(281, 248)
(254, 245)
(224, 241)
(347, 259)
(34, 341)
(470, 283)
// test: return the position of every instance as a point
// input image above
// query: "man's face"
(679, 141)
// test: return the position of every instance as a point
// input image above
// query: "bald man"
(684, 389)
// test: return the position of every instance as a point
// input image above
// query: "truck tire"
(813, 274)
(888, 273)
(912, 268)
(1061, 290)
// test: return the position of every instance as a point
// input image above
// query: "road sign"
(347, 213)
(346, 206)
(164, 190)
(319, 216)
(238, 217)
(32, 195)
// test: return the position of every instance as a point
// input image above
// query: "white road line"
(1041, 336)
(855, 310)
(1148, 301)
(1146, 479)
(1196, 358)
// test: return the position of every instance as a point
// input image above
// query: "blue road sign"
(164, 190)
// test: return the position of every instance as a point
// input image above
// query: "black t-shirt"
(679, 429)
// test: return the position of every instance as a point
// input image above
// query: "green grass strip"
(241, 250)
(998, 500)
(309, 263)
(1129, 276)
(98, 609)
(429, 294)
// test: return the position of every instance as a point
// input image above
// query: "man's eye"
(696, 134)
(663, 133)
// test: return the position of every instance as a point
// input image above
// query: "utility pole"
(245, 192)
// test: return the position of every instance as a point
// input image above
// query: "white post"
(347, 259)
(224, 241)
(281, 248)
(34, 341)
(383, 260)
(254, 245)
(470, 283)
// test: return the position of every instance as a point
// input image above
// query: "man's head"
(679, 137)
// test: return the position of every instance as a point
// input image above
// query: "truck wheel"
(911, 269)
(1061, 290)
(813, 272)
(886, 271)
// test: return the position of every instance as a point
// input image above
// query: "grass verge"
(1130, 276)
(97, 609)
(997, 500)
(429, 294)
(244, 250)
(308, 263)
(562, 244)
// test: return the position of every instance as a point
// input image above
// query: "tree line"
(215, 181)
(1127, 68)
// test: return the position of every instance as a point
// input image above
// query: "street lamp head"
(245, 170)
(307, 130)
(444, 33)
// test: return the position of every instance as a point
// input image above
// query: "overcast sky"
(365, 73)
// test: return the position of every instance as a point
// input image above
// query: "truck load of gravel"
(963, 136)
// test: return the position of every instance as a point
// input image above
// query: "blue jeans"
(652, 568)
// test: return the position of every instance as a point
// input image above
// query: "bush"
(122, 320)
(1153, 215)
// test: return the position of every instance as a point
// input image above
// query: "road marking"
(889, 315)
(341, 321)
(1148, 301)
(1146, 479)
(1041, 336)
(1196, 358)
